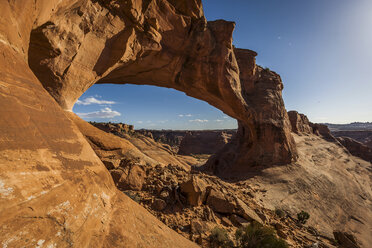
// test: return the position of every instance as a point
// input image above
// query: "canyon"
(66, 183)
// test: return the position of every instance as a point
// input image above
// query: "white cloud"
(140, 122)
(105, 113)
(219, 120)
(92, 100)
(198, 120)
(185, 115)
(163, 122)
(225, 117)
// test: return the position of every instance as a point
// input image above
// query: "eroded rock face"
(364, 137)
(204, 142)
(356, 148)
(300, 123)
(167, 44)
(345, 240)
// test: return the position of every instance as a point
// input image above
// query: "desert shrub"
(219, 238)
(303, 217)
(256, 235)
(280, 213)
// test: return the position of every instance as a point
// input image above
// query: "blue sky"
(321, 48)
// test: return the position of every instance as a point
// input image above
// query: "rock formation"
(70, 45)
(364, 136)
(300, 123)
(204, 142)
(167, 44)
(115, 128)
(181, 142)
(356, 148)
(302, 126)
(171, 137)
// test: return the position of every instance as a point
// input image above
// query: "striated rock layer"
(167, 44)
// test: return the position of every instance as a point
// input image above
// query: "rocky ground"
(193, 202)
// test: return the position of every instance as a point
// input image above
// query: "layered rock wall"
(203, 142)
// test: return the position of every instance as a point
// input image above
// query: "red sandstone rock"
(246, 212)
(300, 123)
(219, 203)
(322, 130)
(195, 190)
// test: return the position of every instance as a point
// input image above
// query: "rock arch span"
(167, 44)
(54, 190)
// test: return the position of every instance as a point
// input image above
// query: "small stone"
(226, 222)
(159, 204)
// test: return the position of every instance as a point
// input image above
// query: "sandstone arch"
(54, 190)
(168, 45)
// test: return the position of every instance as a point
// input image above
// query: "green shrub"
(256, 235)
(303, 217)
(280, 213)
(219, 238)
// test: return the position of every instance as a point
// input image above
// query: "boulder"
(159, 204)
(111, 163)
(238, 221)
(195, 189)
(246, 212)
(130, 178)
(199, 227)
(219, 203)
